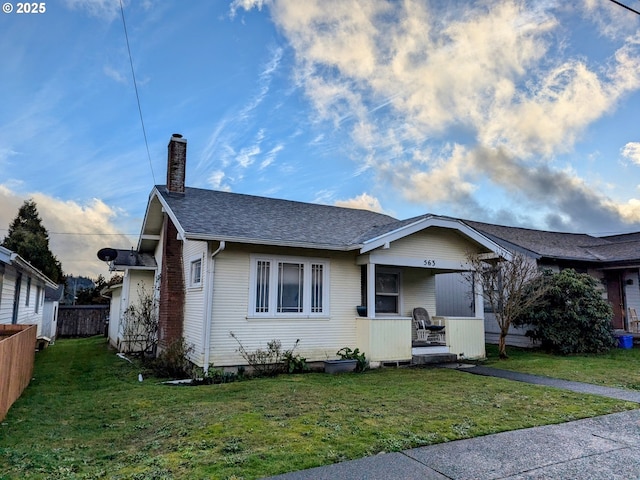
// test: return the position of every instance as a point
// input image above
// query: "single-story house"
(613, 260)
(22, 291)
(270, 269)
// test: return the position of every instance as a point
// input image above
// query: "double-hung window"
(288, 286)
(195, 274)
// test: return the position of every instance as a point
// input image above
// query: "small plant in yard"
(294, 363)
(173, 361)
(212, 376)
(347, 354)
(273, 360)
(139, 327)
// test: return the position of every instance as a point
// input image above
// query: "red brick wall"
(171, 312)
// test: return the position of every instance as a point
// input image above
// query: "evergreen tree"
(28, 238)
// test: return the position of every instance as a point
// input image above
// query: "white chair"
(634, 323)
(426, 331)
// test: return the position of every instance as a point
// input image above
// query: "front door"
(614, 294)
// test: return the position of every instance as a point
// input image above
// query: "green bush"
(571, 316)
(347, 354)
(173, 361)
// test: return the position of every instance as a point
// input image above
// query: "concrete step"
(433, 359)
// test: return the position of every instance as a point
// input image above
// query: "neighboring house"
(613, 260)
(268, 269)
(22, 291)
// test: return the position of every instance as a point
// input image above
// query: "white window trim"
(273, 286)
(192, 261)
(395, 271)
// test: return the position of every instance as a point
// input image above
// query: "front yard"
(86, 416)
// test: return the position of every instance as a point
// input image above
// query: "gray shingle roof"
(224, 215)
(570, 246)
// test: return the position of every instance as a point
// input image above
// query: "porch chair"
(634, 323)
(425, 329)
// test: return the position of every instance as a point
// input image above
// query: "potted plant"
(349, 361)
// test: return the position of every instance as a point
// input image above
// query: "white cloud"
(245, 5)
(494, 76)
(363, 201)
(107, 9)
(113, 74)
(271, 156)
(216, 180)
(76, 231)
(632, 151)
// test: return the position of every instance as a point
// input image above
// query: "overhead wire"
(135, 86)
(625, 6)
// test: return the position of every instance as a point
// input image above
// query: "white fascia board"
(432, 221)
(5, 255)
(165, 207)
(18, 260)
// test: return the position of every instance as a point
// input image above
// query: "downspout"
(209, 310)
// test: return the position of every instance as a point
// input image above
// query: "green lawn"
(86, 416)
(618, 368)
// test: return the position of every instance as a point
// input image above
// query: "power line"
(625, 6)
(135, 86)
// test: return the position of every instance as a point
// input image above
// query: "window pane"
(196, 272)
(262, 286)
(290, 287)
(316, 288)
(387, 283)
(386, 304)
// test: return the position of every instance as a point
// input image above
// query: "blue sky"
(514, 112)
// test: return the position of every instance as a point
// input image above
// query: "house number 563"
(429, 263)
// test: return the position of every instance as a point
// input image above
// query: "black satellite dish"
(107, 254)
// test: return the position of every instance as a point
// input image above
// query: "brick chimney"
(176, 163)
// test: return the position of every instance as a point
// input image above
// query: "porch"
(393, 339)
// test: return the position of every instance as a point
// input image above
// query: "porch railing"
(17, 354)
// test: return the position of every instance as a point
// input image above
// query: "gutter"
(206, 343)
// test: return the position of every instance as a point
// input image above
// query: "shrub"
(173, 361)
(571, 316)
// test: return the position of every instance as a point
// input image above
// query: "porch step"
(434, 359)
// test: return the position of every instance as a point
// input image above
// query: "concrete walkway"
(599, 448)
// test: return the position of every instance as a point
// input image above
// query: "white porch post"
(478, 300)
(371, 290)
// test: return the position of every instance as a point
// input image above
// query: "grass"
(614, 369)
(85, 416)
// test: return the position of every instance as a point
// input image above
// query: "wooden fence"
(82, 320)
(17, 354)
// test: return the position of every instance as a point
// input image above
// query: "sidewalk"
(599, 448)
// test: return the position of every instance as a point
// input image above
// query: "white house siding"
(132, 283)
(195, 299)
(26, 313)
(320, 338)
(6, 293)
(418, 290)
(50, 319)
(115, 315)
(433, 244)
